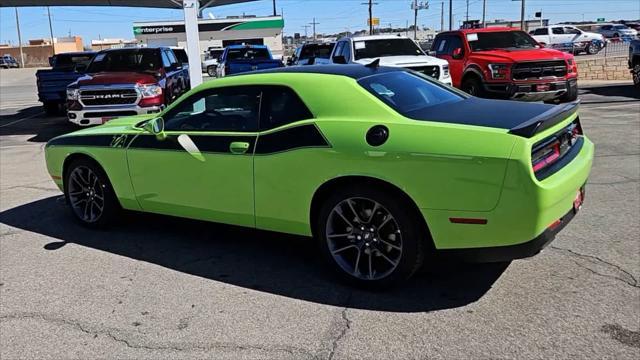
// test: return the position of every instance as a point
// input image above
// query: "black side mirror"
(457, 53)
(339, 59)
(52, 61)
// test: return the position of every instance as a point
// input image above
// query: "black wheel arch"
(472, 71)
(329, 186)
(83, 156)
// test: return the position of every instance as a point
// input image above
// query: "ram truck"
(123, 82)
(52, 83)
(237, 59)
(507, 63)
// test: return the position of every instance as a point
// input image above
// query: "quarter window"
(223, 109)
(282, 106)
(557, 30)
(541, 31)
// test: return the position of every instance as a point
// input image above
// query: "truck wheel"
(636, 74)
(591, 49)
(473, 86)
(211, 70)
(570, 95)
(51, 108)
(369, 237)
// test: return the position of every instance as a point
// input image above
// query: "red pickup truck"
(123, 82)
(507, 63)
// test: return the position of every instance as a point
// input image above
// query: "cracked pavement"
(156, 287)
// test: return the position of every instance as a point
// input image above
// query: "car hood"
(123, 125)
(519, 55)
(111, 78)
(405, 61)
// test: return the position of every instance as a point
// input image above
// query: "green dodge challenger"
(382, 166)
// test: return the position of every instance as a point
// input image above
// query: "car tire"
(375, 253)
(473, 86)
(636, 75)
(570, 95)
(89, 194)
(211, 70)
(591, 49)
(51, 108)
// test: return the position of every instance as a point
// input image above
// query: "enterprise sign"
(217, 26)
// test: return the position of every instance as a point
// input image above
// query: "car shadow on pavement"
(628, 92)
(33, 121)
(265, 261)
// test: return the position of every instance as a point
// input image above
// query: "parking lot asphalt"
(159, 287)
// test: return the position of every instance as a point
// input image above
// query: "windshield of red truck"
(126, 60)
(483, 41)
(385, 47)
(248, 54)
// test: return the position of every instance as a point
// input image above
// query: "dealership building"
(215, 32)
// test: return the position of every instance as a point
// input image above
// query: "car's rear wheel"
(89, 193)
(592, 49)
(211, 70)
(473, 86)
(370, 237)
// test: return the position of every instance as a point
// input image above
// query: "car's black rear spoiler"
(545, 120)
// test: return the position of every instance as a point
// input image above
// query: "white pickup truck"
(391, 50)
(569, 38)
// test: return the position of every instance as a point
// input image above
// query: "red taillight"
(546, 156)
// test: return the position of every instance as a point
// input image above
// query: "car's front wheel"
(211, 70)
(636, 74)
(370, 237)
(473, 86)
(89, 193)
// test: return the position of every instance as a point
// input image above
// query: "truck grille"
(432, 71)
(539, 69)
(108, 97)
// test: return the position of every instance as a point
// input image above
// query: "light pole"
(53, 46)
(423, 5)
(19, 39)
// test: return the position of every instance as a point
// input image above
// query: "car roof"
(247, 46)
(354, 71)
(377, 37)
(481, 30)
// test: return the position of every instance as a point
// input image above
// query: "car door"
(204, 167)
(541, 35)
(558, 36)
(287, 136)
(444, 48)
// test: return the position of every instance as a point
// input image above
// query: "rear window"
(408, 93)
(248, 54)
(69, 61)
(181, 55)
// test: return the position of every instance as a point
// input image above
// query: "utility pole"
(523, 26)
(314, 23)
(53, 46)
(484, 12)
(467, 16)
(19, 39)
(450, 15)
(305, 31)
(442, 17)
(370, 21)
(274, 8)
(415, 6)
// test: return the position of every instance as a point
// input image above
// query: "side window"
(282, 106)
(172, 57)
(222, 109)
(541, 31)
(557, 30)
(441, 47)
(454, 43)
(570, 30)
(346, 50)
(339, 48)
(166, 63)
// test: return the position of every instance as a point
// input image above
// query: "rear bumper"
(529, 91)
(511, 252)
(99, 115)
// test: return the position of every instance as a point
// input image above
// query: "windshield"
(320, 51)
(214, 54)
(248, 54)
(619, 27)
(126, 60)
(69, 61)
(500, 40)
(385, 47)
(408, 93)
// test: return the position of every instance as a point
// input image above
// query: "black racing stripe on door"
(204, 143)
(304, 136)
(89, 140)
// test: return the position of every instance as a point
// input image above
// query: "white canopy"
(191, 9)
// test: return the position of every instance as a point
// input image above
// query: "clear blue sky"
(333, 15)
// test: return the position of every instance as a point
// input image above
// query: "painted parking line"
(22, 119)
